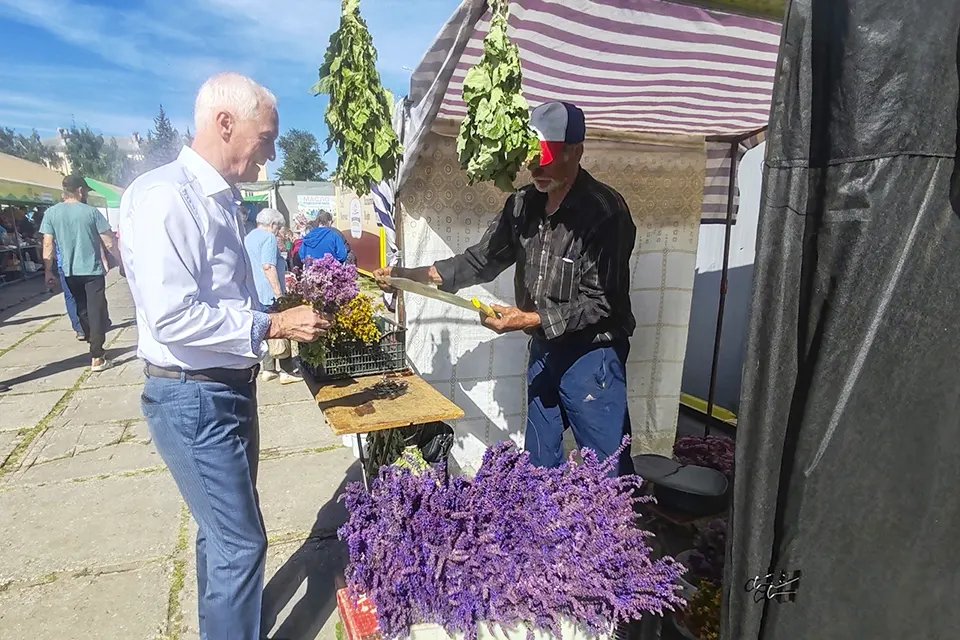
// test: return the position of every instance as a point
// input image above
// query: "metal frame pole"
(728, 229)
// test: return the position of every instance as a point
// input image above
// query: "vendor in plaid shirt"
(570, 237)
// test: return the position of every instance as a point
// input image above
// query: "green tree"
(302, 159)
(27, 147)
(93, 157)
(163, 143)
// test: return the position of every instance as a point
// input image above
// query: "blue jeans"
(583, 387)
(71, 303)
(209, 436)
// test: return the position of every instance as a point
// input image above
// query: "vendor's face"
(558, 173)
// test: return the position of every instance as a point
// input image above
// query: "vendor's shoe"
(289, 378)
(100, 364)
(268, 376)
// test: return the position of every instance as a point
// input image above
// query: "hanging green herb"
(495, 138)
(359, 114)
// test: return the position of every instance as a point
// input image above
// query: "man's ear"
(225, 125)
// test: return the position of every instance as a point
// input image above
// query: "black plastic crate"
(354, 359)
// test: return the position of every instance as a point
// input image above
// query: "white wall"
(706, 293)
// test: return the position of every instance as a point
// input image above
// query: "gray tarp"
(848, 451)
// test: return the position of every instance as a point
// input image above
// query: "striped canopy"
(631, 65)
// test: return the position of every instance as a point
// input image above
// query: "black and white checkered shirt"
(573, 267)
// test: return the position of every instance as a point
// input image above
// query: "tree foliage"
(27, 147)
(93, 157)
(302, 158)
(163, 142)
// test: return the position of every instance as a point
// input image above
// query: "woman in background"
(269, 275)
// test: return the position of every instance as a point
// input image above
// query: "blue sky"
(111, 63)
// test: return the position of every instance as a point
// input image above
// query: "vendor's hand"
(380, 274)
(51, 280)
(303, 324)
(510, 319)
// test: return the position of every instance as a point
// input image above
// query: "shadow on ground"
(79, 361)
(319, 565)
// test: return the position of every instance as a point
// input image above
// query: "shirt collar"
(211, 182)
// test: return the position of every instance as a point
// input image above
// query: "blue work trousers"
(581, 387)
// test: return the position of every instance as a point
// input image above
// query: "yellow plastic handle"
(485, 309)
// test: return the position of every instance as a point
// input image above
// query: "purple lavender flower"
(713, 452)
(326, 283)
(519, 546)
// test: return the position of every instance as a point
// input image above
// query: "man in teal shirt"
(83, 236)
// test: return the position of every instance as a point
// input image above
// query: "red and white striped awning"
(632, 65)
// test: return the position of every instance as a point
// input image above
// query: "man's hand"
(380, 274)
(426, 275)
(510, 319)
(303, 324)
(51, 280)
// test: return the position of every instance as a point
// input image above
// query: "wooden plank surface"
(351, 407)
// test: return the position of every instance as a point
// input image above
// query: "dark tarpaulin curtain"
(848, 451)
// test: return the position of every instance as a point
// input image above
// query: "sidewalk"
(96, 542)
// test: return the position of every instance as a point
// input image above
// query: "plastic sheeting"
(847, 451)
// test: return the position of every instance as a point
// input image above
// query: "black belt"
(223, 376)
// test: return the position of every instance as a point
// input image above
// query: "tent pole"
(728, 229)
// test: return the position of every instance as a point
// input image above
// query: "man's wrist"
(532, 320)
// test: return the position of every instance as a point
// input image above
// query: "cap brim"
(549, 151)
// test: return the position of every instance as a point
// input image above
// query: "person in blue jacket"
(326, 240)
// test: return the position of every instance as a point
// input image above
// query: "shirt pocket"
(564, 277)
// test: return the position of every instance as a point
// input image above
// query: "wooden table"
(351, 407)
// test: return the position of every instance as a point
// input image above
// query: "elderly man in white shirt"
(202, 334)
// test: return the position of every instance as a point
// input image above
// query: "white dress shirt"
(188, 269)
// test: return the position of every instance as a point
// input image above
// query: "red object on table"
(360, 620)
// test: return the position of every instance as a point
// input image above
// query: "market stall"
(670, 110)
(26, 190)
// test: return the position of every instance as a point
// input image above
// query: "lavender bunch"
(708, 557)
(708, 451)
(518, 545)
(327, 284)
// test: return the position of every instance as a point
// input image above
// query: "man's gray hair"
(270, 218)
(233, 93)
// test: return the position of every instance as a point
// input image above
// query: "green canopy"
(109, 192)
(262, 197)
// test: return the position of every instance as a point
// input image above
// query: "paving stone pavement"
(96, 541)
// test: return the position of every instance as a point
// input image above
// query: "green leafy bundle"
(359, 114)
(495, 138)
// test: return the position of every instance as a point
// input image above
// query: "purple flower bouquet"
(325, 283)
(709, 451)
(517, 547)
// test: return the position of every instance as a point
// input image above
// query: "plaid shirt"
(572, 266)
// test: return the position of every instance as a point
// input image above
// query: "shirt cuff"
(259, 330)
(447, 270)
(552, 322)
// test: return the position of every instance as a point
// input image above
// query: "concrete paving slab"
(298, 493)
(65, 340)
(123, 458)
(26, 411)
(40, 377)
(94, 406)
(128, 370)
(23, 356)
(8, 442)
(294, 427)
(270, 393)
(87, 525)
(131, 605)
